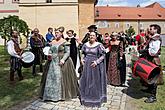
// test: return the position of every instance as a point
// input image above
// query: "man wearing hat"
(92, 28)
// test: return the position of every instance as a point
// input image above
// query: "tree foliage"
(130, 32)
(10, 23)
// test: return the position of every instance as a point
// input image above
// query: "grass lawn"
(163, 57)
(20, 91)
(138, 97)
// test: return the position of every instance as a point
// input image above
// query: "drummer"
(37, 43)
(152, 52)
(14, 50)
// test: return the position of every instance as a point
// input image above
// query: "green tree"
(130, 32)
(7, 24)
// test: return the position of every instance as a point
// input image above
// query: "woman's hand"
(93, 64)
(121, 58)
(82, 62)
(61, 63)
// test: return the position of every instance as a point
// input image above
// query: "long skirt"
(93, 84)
(59, 82)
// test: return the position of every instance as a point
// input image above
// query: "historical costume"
(15, 59)
(106, 45)
(59, 81)
(151, 52)
(115, 61)
(49, 35)
(37, 43)
(92, 28)
(123, 61)
(73, 46)
(93, 80)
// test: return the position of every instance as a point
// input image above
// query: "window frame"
(17, 1)
(103, 24)
(141, 25)
(127, 25)
(49, 0)
(117, 24)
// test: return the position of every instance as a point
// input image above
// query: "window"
(127, 25)
(116, 25)
(141, 25)
(103, 24)
(48, 1)
(15, 1)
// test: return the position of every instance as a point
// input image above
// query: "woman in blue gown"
(93, 80)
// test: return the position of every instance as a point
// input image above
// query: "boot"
(20, 75)
(41, 68)
(11, 76)
(34, 70)
(151, 99)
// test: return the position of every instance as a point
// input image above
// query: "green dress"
(59, 82)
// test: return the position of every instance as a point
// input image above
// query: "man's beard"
(15, 36)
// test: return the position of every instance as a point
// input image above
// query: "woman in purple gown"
(93, 80)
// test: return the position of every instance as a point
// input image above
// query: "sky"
(130, 2)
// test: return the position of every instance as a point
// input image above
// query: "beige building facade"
(71, 14)
(8, 7)
(117, 26)
(111, 18)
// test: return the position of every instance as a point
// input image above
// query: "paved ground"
(116, 100)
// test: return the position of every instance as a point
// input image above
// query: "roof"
(151, 12)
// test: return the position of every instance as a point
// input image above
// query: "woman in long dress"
(59, 81)
(115, 61)
(93, 80)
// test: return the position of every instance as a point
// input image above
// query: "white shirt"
(11, 50)
(154, 46)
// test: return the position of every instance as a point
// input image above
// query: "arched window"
(117, 25)
(103, 24)
(16, 1)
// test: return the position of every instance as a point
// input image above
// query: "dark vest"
(16, 47)
(155, 59)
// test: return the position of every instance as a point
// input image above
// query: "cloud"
(114, 2)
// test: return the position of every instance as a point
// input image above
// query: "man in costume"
(37, 43)
(14, 50)
(152, 52)
(93, 28)
(49, 35)
(140, 38)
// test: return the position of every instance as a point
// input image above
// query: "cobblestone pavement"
(116, 100)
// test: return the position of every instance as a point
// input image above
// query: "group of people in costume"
(102, 61)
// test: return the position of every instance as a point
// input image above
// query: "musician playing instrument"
(37, 42)
(14, 50)
(152, 52)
